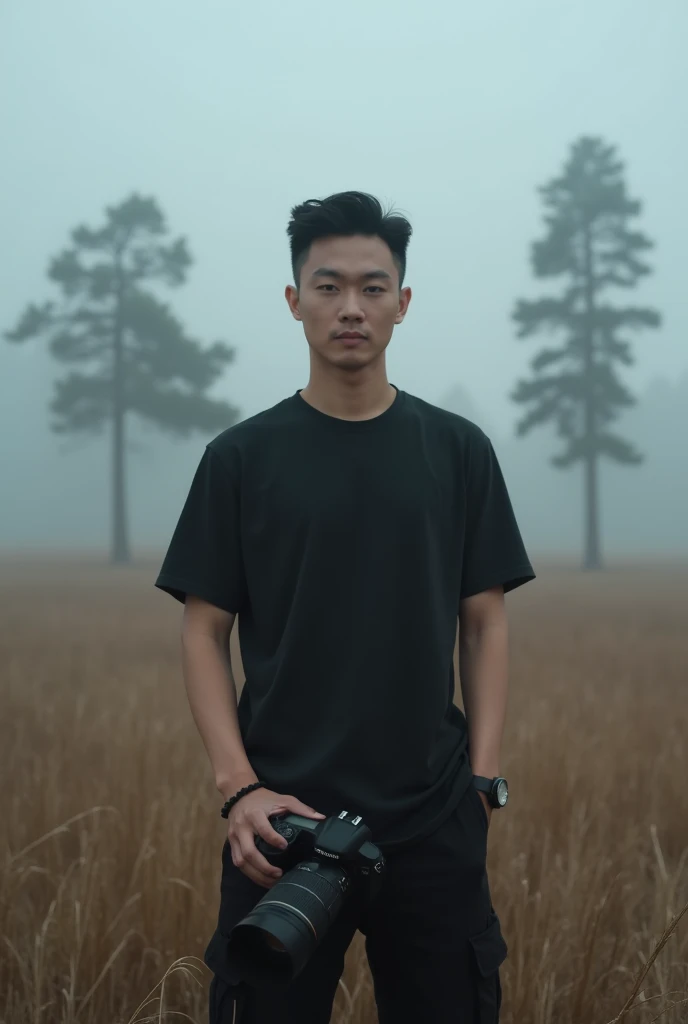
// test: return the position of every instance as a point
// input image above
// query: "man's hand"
(249, 818)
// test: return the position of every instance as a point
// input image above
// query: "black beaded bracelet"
(237, 796)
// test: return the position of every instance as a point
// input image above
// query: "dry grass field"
(111, 834)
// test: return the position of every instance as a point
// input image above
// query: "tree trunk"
(120, 539)
(120, 554)
(592, 558)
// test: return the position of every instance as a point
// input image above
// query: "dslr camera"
(324, 864)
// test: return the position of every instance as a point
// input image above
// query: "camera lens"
(274, 942)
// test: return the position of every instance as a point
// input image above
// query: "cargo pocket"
(226, 1004)
(238, 896)
(490, 950)
(228, 994)
(217, 959)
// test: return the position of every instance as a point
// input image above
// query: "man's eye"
(321, 287)
(375, 288)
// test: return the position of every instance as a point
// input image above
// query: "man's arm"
(211, 690)
(483, 670)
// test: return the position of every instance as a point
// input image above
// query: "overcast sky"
(454, 111)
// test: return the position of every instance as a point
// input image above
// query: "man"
(348, 527)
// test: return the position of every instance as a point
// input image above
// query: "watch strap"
(482, 783)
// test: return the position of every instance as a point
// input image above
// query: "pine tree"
(133, 354)
(591, 243)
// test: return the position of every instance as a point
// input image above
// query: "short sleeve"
(494, 553)
(204, 557)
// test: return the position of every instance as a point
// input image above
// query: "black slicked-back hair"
(346, 214)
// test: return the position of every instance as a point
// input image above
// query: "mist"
(454, 113)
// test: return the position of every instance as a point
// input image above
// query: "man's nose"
(351, 308)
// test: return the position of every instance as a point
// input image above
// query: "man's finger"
(252, 857)
(240, 862)
(297, 807)
(263, 828)
(255, 876)
(234, 849)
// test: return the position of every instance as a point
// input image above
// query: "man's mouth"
(351, 337)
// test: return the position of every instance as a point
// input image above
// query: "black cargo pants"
(433, 940)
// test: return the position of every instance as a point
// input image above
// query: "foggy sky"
(230, 114)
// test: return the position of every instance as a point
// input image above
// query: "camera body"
(341, 839)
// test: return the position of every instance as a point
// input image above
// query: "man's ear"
(291, 294)
(404, 300)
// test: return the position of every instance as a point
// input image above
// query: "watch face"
(502, 792)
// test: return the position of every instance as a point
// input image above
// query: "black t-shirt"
(345, 548)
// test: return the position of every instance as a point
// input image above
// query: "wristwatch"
(496, 789)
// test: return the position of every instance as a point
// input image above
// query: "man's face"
(349, 286)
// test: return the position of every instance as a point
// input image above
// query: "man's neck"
(350, 397)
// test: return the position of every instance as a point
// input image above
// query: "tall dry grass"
(111, 833)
